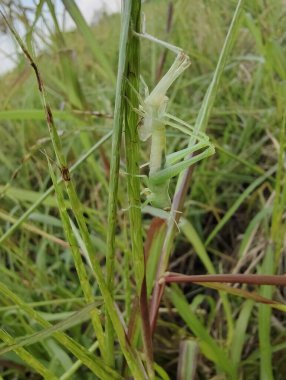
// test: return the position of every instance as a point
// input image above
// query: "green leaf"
(207, 344)
(104, 67)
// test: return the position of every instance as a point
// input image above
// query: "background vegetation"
(234, 216)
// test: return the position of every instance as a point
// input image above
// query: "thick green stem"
(114, 169)
(133, 180)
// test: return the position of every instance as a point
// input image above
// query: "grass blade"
(104, 69)
(114, 168)
(239, 201)
(50, 190)
(133, 180)
(80, 268)
(239, 335)
(187, 364)
(96, 365)
(209, 99)
(264, 321)
(75, 318)
(28, 358)
(207, 344)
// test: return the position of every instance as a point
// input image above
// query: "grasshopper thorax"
(158, 195)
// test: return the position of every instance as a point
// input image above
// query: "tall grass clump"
(97, 284)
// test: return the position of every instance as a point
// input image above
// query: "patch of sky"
(92, 10)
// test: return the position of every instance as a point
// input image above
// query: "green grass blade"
(188, 359)
(80, 268)
(104, 69)
(44, 196)
(200, 249)
(239, 336)
(207, 344)
(76, 318)
(239, 201)
(114, 168)
(209, 99)
(26, 114)
(251, 230)
(29, 196)
(37, 366)
(278, 224)
(132, 149)
(72, 369)
(71, 83)
(161, 372)
(191, 234)
(264, 320)
(133, 179)
(96, 365)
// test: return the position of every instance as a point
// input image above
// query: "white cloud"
(7, 54)
(88, 7)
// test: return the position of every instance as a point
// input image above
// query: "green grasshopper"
(153, 109)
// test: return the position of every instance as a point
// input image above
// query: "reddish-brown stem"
(155, 226)
(177, 205)
(159, 289)
(251, 279)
